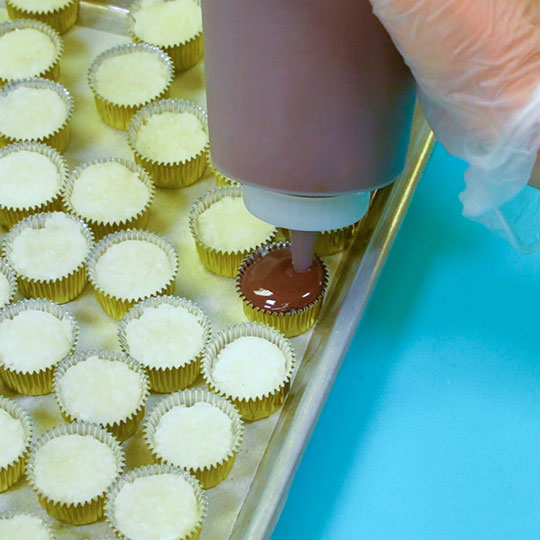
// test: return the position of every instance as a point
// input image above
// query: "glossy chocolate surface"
(271, 283)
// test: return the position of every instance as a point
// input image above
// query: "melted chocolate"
(271, 283)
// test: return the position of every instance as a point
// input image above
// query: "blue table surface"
(432, 429)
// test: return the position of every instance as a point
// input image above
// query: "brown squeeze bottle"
(309, 107)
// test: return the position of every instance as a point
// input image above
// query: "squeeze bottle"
(309, 107)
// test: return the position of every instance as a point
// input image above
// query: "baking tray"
(247, 504)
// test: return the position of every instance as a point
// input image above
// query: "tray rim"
(360, 269)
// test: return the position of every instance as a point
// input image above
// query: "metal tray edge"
(343, 310)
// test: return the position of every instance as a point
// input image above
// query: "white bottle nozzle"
(302, 249)
(302, 213)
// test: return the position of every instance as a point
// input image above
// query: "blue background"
(432, 429)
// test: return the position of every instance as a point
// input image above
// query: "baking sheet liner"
(92, 139)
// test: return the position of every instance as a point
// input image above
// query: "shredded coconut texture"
(12, 439)
(133, 269)
(171, 137)
(74, 468)
(34, 340)
(196, 436)
(168, 23)
(11, 528)
(100, 391)
(249, 367)
(227, 225)
(27, 179)
(132, 78)
(40, 6)
(109, 192)
(31, 113)
(165, 336)
(50, 252)
(156, 508)
(25, 52)
(5, 289)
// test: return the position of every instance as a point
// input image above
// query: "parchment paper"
(92, 139)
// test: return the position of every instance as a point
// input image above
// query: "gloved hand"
(477, 65)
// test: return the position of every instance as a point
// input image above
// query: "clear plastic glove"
(477, 65)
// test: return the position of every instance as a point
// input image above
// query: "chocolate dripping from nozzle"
(303, 249)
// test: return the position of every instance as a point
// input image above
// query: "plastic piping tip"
(302, 249)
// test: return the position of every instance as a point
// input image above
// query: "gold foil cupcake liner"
(10, 515)
(176, 174)
(52, 71)
(223, 263)
(61, 19)
(59, 138)
(83, 512)
(210, 475)
(62, 289)
(10, 215)
(11, 473)
(117, 307)
(336, 240)
(36, 382)
(103, 228)
(257, 407)
(220, 178)
(155, 470)
(114, 114)
(11, 277)
(123, 428)
(184, 54)
(166, 379)
(291, 323)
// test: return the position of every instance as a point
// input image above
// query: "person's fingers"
(477, 65)
(480, 53)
